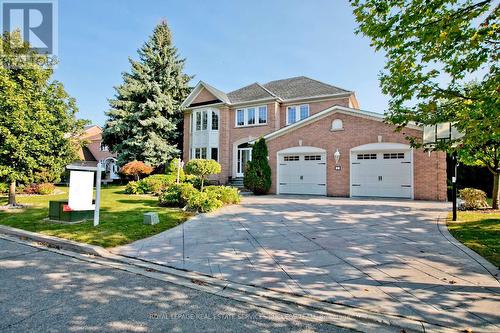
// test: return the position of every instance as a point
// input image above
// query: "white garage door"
(381, 174)
(303, 173)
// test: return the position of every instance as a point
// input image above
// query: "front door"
(244, 155)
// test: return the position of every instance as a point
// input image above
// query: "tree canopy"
(145, 121)
(442, 66)
(37, 117)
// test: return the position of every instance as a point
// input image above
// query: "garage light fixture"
(336, 156)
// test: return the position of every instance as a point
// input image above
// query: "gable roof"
(302, 87)
(327, 112)
(252, 92)
(282, 90)
(221, 96)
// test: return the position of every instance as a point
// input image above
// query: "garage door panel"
(303, 173)
(381, 174)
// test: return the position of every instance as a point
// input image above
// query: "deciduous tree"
(442, 66)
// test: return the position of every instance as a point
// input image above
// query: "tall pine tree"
(145, 121)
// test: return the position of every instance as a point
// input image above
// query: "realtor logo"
(36, 20)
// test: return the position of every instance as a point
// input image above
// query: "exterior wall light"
(336, 156)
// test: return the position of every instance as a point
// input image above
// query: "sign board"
(81, 190)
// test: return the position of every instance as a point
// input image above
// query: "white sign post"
(81, 186)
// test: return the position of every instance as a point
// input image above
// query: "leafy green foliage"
(204, 202)
(136, 169)
(227, 194)
(176, 195)
(442, 66)
(202, 168)
(145, 121)
(258, 172)
(37, 117)
(4, 188)
(154, 184)
(473, 198)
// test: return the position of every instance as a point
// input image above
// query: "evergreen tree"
(145, 121)
(37, 117)
(258, 172)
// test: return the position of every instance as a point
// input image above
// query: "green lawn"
(120, 220)
(479, 231)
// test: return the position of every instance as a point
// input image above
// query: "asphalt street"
(44, 291)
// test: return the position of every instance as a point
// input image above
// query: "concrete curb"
(335, 314)
(443, 228)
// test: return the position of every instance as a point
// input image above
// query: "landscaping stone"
(151, 218)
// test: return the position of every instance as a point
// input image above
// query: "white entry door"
(381, 174)
(302, 173)
(244, 155)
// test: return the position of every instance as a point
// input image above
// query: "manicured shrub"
(195, 181)
(227, 194)
(176, 195)
(132, 187)
(203, 168)
(136, 169)
(257, 176)
(45, 188)
(204, 202)
(155, 184)
(473, 198)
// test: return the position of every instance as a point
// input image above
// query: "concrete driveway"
(384, 256)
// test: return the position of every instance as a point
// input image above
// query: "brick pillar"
(224, 149)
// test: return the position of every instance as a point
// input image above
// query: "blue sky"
(228, 44)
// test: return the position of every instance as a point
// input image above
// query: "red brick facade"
(429, 170)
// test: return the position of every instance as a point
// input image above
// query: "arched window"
(337, 125)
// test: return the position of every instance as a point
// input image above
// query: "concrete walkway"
(384, 256)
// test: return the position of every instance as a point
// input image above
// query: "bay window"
(204, 118)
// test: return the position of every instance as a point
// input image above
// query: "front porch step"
(237, 182)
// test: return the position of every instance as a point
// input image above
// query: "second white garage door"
(381, 174)
(302, 173)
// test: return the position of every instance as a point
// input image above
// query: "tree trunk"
(495, 193)
(12, 193)
(202, 181)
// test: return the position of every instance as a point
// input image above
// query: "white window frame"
(209, 112)
(297, 112)
(207, 151)
(245, 116)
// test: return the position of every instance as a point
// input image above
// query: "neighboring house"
(319, 141)
(95, 151)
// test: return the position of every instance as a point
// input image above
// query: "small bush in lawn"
(132, 188)
(176, 195)
(195, 181)
(31, 189)
(45, 188)
(227, 194)
(156, 183)
(204, 202)
(473, 198)
(203, 168)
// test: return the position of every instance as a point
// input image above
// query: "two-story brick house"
(319, 141)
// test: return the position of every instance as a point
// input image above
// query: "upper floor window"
(296, 113)
(251, 116)
(204, 118)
